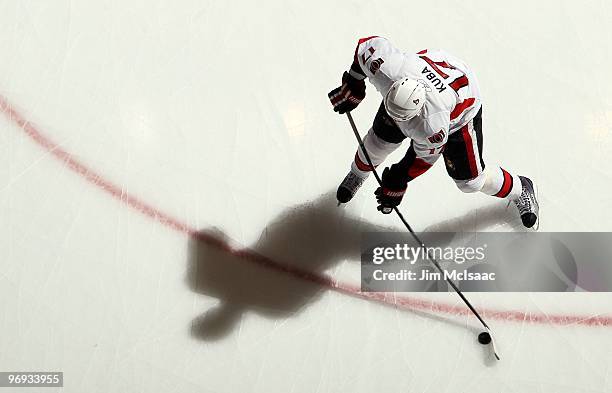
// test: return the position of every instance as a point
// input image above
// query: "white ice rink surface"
(151, 152)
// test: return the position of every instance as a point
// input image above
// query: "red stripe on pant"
(469, 147)
(362, 166)
(506, 186)
(418, 167)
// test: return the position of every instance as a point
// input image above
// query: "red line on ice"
(14, 116)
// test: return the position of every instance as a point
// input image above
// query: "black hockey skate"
(348, 187)
(527, 203)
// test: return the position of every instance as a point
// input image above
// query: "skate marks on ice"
(283, 271)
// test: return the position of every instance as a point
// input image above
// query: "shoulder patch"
(375, 66)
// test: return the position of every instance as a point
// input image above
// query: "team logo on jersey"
(375, 66)
(438, 137)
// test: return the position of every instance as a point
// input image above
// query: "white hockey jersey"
(453, 97)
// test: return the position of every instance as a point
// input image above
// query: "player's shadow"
(282, 271)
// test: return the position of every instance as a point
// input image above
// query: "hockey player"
(431, 97)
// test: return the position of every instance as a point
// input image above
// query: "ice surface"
(162, 161)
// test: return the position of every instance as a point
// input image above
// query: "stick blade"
(493, 346)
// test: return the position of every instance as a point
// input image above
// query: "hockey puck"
(484, 338)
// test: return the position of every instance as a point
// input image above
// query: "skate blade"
(536, 227)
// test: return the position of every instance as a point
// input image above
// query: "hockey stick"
(418, 240)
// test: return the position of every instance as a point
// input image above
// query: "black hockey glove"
(346, 97)
(391, 193)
